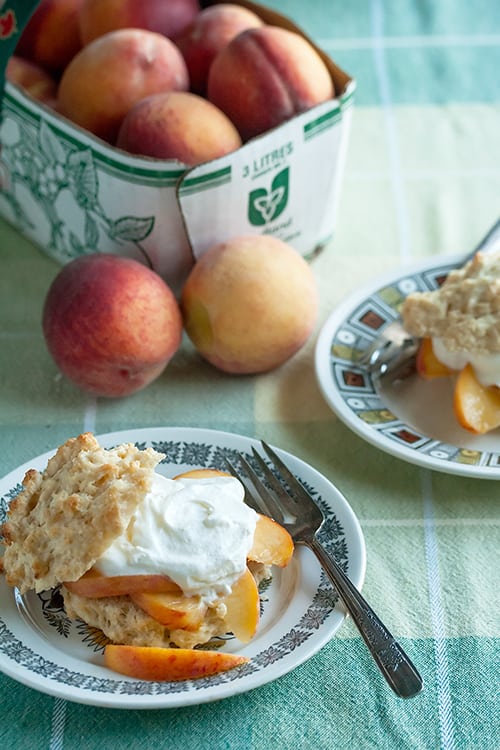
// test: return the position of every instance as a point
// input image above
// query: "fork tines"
(256, 493)
(294, 485)
(271, 496)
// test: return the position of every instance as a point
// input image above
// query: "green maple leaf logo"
(266, 205)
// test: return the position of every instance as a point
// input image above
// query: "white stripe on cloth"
(58, 722)
(437, 617)
(442, 676)
(377, 16)
(405, 42)
(413, 523)
(90, 414)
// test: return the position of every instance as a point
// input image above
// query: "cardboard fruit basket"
(72, 194)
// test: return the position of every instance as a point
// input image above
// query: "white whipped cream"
(486, 366)
(196, 531)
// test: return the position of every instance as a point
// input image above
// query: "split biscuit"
(66, 517)
(464, 312)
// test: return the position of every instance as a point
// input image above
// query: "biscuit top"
(465, 312)
(65, 518)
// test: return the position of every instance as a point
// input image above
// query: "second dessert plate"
(411, 419)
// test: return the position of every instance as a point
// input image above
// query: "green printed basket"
(73, 194)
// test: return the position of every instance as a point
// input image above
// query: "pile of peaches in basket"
(167, 79)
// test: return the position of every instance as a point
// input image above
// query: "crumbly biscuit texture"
(122, 621)
(66, 517)
(464, 312)
(118, 617)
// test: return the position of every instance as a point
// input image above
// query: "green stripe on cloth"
(25, 714)
(331, 711)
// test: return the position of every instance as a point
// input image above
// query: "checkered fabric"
(422, 179)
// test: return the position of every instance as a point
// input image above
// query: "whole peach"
(249, 304)
(178, 125)
(265, 76)
(51, 37)
(111, 324)
(210, 31)
(167, 17)
(32, 78)
(108, 76)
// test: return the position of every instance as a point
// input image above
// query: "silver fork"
(393, 352)
(297, 511)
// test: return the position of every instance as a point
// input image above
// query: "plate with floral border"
(40, 647)
(412, 419)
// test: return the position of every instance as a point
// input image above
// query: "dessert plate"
(412, 419)
(42, 648)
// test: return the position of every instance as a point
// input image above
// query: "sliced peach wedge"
(202, 474)
(272, 544)
(168, 664)
(97, 586)
(427, 364)
(477, 407)
(187, 612)
(172, 610)
(243, 608)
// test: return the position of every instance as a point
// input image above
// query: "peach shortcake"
(459, 324)
(159, 565)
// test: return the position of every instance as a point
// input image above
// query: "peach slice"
(172, 610)
(202, 474)
(97, 586)
(160, 664)
(272, 544)
(243, 610)
(428, 365)
(477, 407)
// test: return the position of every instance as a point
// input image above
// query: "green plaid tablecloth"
(422, 178)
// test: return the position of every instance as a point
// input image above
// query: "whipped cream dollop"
(485, 366)
(196, 531)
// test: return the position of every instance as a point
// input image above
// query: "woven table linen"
(422, 179)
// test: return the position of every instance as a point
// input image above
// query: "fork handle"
(391, 659)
